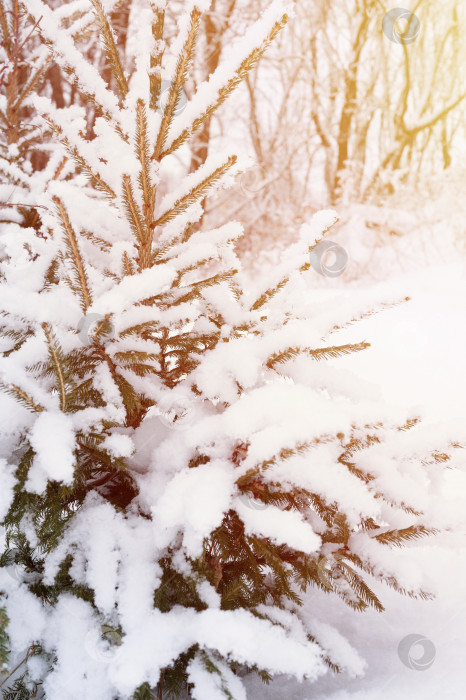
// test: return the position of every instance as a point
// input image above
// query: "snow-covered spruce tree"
(23, 65)
(176, 467)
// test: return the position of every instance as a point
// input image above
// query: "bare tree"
(344, 112)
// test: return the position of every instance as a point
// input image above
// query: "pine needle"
(397, 538)
(143, 155)
(318, 354)
(184, 61)
(75, 255)
(156, 58)
(133, 211)
(110, 47)
(198, 192)
(95, 178)
(54, 355)
(247, 65)
(21, 396)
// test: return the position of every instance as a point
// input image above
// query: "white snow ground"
(418, 360)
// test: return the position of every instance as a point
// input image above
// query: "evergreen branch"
(189, 268)
(397, 538)
(26, 145)
(5, 121)
(358, 444)
(246, 66)
(194, 289)
(102, 326)
(409, 424)
(371, 312)
(351, 466)
(101, 243)
(110, 47)
(24, 660)
(75, 254)
(5, 30)
(70, 71)
(359, 586)
(337, 351)
(198, 192)
(18, 336)
(143, 155)
(132, 356)
(388, 580)
(318, 354)
(144, 330)
(90, 445)
(184, 61)
(21, 396)
(440, 457)
(32, 84)
(398, 504)
(155, 80)
(268, 294)
(85, 30)
(95, 178)
(59, 169)
(56, 175)
(54, 352)
(127, 264)
(160, 255)
(416, 595)
(132, 210)
(272, 291)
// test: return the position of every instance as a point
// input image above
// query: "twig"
(28, 654)
(22, 204)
